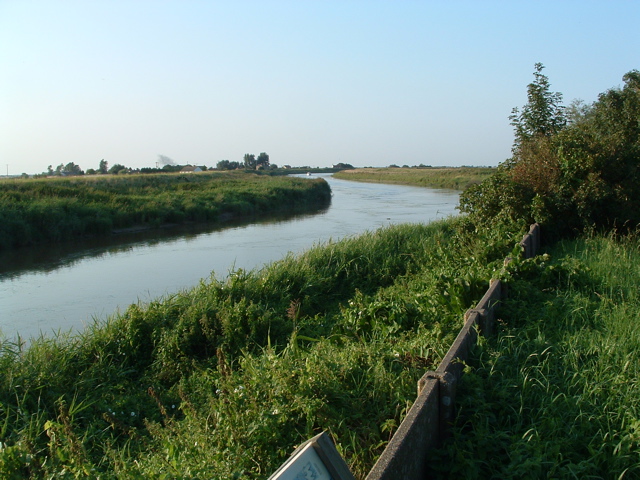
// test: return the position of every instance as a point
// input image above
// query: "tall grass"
(556, 394)
(222, 381)
(53, 210)
(454, 178)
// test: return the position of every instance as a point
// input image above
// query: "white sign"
(316, 459)
(304, 465)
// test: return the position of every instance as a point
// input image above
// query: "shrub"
(567, 173)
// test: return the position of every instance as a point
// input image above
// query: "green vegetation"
(572, 168)
(224, 380)
(53, 210)
(454, 178)
(556, 393)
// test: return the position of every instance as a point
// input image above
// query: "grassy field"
(224, 380)
(457, 178)
(556, 394)
(59, 209)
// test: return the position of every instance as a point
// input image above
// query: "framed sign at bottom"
(316, 459)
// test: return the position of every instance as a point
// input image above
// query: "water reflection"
(48, 258)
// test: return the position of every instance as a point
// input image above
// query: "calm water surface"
(59, 288)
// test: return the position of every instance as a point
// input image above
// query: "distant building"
(190, 169)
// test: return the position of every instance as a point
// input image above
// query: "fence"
(427, 422)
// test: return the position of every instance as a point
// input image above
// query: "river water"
(65, 287)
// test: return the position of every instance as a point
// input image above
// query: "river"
(46, 290)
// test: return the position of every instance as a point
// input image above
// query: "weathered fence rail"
(427, 422)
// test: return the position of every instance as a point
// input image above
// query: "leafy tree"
(227, 165)
(249, 161)
(117, 168)
(262, 160)
(599, 158)
(72, 169)
(542, 116)
(104, 166)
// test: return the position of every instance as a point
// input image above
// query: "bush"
(581, 173)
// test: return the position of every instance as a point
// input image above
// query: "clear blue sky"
(310, 82)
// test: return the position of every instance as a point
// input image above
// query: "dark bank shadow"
(48, 258)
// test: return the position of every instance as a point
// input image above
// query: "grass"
(224, 380)
(556, 393)
(458, 178)
(60, 209)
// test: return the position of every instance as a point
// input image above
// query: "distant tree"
(117, 168)
(249, 161)
(393, 165)
(227, 165)
(91, 171)
(343, 166)
(262, 160)
(50, 170)
(72, 169)
(104, 166)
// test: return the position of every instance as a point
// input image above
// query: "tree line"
(249, 162)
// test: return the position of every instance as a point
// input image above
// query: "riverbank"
(458, 178)
(224, 379)
(54, 210)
